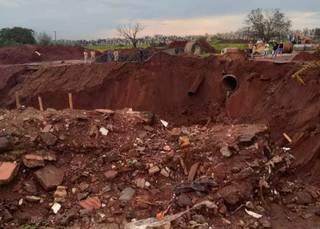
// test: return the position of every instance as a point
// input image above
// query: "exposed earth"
(183, 141)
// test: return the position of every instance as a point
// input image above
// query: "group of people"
(274, 48)
(86, 56)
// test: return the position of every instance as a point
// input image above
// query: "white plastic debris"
(104, 131)
(253, 214)
(164, 123)
(56, 207)
(38, 53)
(20, 202)
(286, 149)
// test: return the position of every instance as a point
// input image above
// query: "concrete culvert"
(230, 82)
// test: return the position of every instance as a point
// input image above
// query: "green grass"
(218, 45)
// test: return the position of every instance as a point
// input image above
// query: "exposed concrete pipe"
(230, 82)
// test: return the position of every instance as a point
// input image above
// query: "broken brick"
(8, 170)
(91, 203)
(50, 177)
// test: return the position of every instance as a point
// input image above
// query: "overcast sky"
(91, 19)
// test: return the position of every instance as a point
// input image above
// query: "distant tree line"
(22, 36)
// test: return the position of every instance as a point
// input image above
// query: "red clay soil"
(267, 93)
(306, 56)
(26, 53)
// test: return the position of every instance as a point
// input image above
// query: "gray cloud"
(86, 19)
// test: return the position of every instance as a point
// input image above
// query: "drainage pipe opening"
(230, 82)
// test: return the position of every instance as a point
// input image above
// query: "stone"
(303, 198)
(167, 148)
(49, 139)
(111, 174)
(193, 171)
(60, 194)
(33, 160)
(199, 219)
(154, 170)
(30, 187)
(47, 128)
(165, 172)
(183, 200)
(4, 144)
(127, 194)
(140, 182)
(50, 177)
(234, 193)
(175, 132)
(8, 170)
(225, 151)
(184, 141)
(91, 203)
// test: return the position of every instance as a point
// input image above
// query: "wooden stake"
(18, 105)
(40, 103)
(287, 137)
(70, 101)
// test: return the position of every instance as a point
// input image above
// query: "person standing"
(85, 56)
(275, 49)
(93, 55)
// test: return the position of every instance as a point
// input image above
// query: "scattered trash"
(104, 131)
(56, 207)
(164, 123)
(253, 214)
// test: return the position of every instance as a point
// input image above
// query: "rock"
(49, 156)
(127, 194)
(154, 170)
(303, 198)
(193, 171)
(167, 148)
(60, 194)
(175, 132)
(50, 177)
(49, 139)
(184, 141)
(183, 200)
(4, 144)
(225, 151)
(30, 187)
(91, 203)
(199, 219)
(165, 172)
(46, 129)
(111, 174)
(140, 182)
(265, 223)
(234, 193)
(33, 160)
(8, 170)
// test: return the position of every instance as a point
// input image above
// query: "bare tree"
(268, 24)
(131, 32)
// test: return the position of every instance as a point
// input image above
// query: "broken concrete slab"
(50, 177)
(8, 170)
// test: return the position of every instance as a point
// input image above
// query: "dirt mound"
(96, 168)
(205, 46)
(178, 44)
(27, 53)
(306, 56)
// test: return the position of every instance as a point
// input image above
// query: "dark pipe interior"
(230, 82)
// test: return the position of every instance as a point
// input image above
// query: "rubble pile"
(112, 169)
